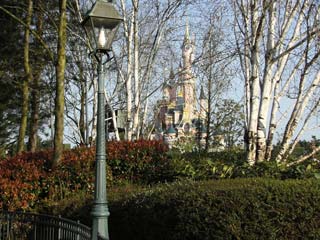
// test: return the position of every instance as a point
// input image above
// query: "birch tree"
(277, 42)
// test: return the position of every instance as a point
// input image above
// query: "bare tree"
(277, 42)
(145, 25)
(214, 69)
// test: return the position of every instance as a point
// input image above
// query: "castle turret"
(169, 88)
(188, 80)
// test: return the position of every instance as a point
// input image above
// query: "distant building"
(177, 115)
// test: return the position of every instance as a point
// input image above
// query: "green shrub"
(75, 206)
(204, 166)
(232, 164)
(253, 208)
(226, 209)
(78, 205)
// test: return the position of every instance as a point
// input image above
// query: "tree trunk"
(208, 111)
(60, 70)
(128, 32)
(143, 123)
(87, 114)
(115, 124)
(35, 93)
(35, 109)
(277, 79)
(136, 112)
(82, 126)
(267, 87)
(292, 124)
(26, 81)
(94, 112)
(113, 116)
(254, 85)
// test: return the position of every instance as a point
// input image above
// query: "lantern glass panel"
(103, 17)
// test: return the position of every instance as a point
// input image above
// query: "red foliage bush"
(26, 179)
(75, 172)
(138, 160)
(21, 180)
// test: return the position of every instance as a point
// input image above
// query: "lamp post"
(101, 24)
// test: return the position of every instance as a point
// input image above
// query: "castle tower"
(169, 88)
(173, 89)
(203, 104)
(188, 80)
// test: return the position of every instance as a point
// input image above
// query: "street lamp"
(101, 24)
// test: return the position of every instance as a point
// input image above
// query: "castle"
(180, 115)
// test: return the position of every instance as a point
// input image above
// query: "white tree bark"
(295, 118)
(94, 113)
(283, 51)
(128, 33)
(278, 75)
(113, 116)
(256, 22)
(137, 79)
(267, 85)
(302, 130)
(144, 117)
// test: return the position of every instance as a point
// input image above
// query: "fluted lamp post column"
(101, 24)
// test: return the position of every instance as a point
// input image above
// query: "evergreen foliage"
(226, 209)
(11, 74)
(256, 208)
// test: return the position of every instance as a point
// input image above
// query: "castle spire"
(186, 34)
(187, 50)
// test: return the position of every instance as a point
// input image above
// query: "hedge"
(254, 208)
(225, 209)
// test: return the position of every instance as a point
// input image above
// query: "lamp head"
(101, 24)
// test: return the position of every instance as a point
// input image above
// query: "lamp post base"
(100, 214)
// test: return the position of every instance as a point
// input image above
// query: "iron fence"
(28, 226)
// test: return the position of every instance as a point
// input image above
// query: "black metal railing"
(28, 226)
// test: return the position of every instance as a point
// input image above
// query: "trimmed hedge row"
(218, 209)
(226, 209)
